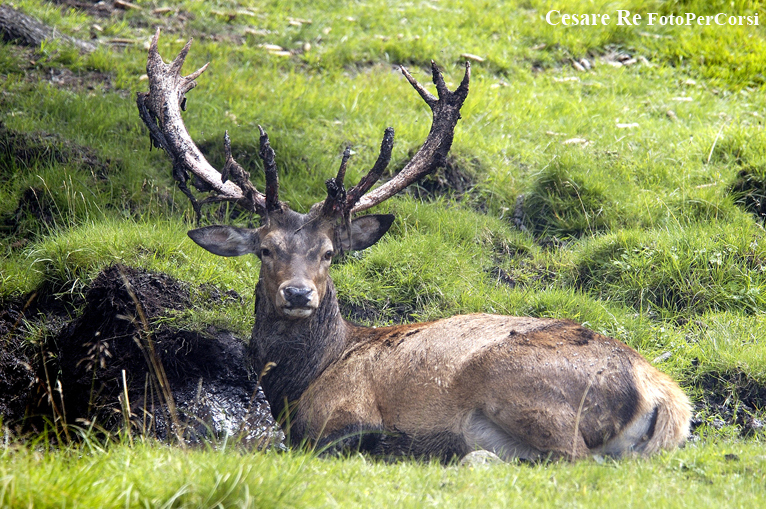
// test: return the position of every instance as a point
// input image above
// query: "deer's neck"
(301, 349)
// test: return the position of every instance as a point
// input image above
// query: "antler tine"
(433, 152)
(232, 170)
(438, 79)
(335, 203)
(462, 89)
(270, 169)
(160, 109)
(427, 96)
(178, 61)
(343, 165)
(364, 185)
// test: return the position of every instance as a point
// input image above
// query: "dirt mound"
(749, 191)
(454, 180)
(188, 383)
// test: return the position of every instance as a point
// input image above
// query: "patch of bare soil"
(21, 150)
(749, 191)
(732, 399)
(123, 355)
(369, 313)
(453, 181)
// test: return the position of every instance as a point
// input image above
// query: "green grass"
(678, 271)
(643, 230)
(728, 474)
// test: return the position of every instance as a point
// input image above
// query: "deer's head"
(295, 252)
(296, 249)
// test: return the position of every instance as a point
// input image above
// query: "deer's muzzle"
(296, 300)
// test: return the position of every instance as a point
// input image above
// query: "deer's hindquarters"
(519, 387)
(671, 407)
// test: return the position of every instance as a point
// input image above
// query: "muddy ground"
(121, 361)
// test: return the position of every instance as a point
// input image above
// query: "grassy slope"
(713, 475)
(655, 251)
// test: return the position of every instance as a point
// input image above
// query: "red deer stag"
(520, 387)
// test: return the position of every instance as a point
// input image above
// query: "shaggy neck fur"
(300, 348)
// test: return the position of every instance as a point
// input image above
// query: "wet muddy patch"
(732, 399)
(124, 362)
(123, 351)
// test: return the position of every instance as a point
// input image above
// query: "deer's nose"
(297, 296)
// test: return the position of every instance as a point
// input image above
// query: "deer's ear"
(365, 231)
(226, 240)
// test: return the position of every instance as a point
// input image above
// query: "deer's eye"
(265, 253)
(328, 254)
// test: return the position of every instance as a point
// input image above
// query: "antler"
(160, 109)
(446, 113)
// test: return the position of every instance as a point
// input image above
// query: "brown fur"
(518, 386)
(535, 379)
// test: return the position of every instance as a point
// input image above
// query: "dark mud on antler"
(180, 383)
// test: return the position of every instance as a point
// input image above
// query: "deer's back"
(434, 375)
